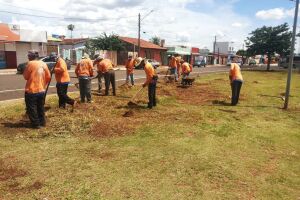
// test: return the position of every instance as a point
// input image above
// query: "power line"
(64, 18)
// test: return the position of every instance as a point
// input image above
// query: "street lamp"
(139, 34)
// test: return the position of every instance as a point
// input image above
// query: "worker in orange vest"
(173, 67)
(151, 80)
(37, 76)
(62, 82)
(99, 74)
(178, 64)
(106, 67)
(84, 71)
(236, 81)
(129, 69)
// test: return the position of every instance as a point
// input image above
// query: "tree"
(104, 42)
(71, 28)
(242, 53)
(155, 40)
(270, 40)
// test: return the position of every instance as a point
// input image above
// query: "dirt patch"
(112, 127)
(9, 169)
(198, 94)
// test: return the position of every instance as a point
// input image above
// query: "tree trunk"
(269, 62)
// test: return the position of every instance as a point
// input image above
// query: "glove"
(144, 85)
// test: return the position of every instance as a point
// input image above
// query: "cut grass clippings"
(191, 146)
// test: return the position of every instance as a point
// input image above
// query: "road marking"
(95, 82)
(71, 84)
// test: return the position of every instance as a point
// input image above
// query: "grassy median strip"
(192, 146)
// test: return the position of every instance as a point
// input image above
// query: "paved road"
(12, 86)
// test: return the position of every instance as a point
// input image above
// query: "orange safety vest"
(61, 71)
(186, 67)
(150, 72)
(104, 66)
(235, 72)
(129, 66)
(84, 68)
(37, 75)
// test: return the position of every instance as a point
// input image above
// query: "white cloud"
(275, 13)
(171, 20)
(236, 24)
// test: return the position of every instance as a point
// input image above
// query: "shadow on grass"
(273, 96)
(19, 124)
(228, 111)
(222, 103)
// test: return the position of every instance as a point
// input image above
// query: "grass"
(192, 146)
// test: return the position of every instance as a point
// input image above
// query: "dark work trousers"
(99, 81)
(35, 108)
(63, 98)
(109, 78)
(152, 94)
(235, 89)
(85, 89)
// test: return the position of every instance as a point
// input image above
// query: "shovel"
(131, 102)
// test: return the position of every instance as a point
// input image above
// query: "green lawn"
(192, 146)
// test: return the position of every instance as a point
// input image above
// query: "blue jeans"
(174, 71)
(130, 76)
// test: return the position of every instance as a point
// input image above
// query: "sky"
(180, 22)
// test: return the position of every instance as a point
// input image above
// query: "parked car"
(252, 62)
(153, 62)
(199, 63)
(49, 61)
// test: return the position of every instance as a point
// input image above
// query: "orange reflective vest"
(235, 72)
(150, 72)
(186, 68)
(61, 71)
(173, 62)
(37, 75)
(84, 68)
(104, 66)
(129, 66)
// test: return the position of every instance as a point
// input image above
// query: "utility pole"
(139, 35)
(288, 83)
(214, 49)
(218, 55)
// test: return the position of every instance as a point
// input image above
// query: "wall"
(222, 46)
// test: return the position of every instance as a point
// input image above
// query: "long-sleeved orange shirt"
(186, 68)
(84, 68)
(235, 72)
(150, 72)
(105, 65)
(173, 62)
(61, 71)
(129, 66)
(37, 75)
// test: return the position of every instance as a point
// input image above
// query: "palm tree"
(71, 28)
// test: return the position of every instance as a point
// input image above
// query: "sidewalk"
(8, 71)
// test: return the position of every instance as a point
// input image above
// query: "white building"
(225, 48)
(15, 44)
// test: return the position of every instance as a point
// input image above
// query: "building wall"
(22, 50)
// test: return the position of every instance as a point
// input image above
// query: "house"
(147, 49)
(53, 44)
(72, 48)
(16, 42)
(184, 51)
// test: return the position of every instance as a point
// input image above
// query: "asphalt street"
(12, 85)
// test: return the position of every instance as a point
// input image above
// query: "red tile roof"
(74, 40)
(144, 43)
